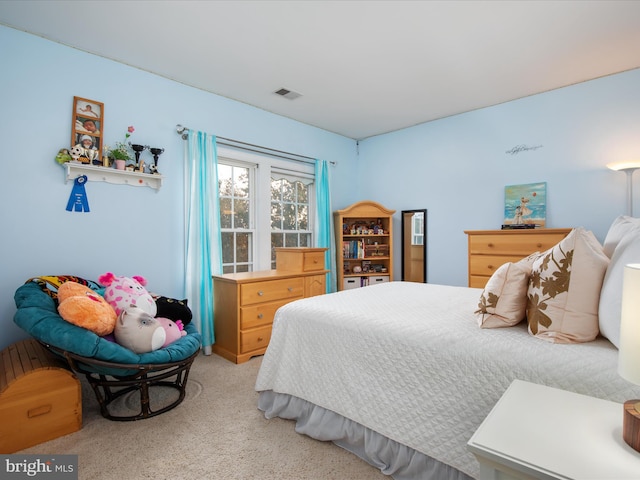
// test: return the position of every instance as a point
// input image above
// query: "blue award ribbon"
(78, 198)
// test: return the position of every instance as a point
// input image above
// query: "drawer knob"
(490, 245)
(260, 293)
(539, 245)
(315, 261)
(260, 315)
(259, 339)
(490, 267)
(290, 289)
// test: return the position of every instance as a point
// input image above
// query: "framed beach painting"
(525, 204)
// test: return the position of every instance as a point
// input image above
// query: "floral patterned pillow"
(564, 289)
(504, 298)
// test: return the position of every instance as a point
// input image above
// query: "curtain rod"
(246, 146)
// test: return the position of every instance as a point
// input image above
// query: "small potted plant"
(121, 152)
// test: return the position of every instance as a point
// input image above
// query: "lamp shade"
(622, 166)
(629, 353)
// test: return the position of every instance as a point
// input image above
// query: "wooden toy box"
(40, 399)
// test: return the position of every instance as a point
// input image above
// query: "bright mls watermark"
(50, 467)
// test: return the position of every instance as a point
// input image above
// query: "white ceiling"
(363, 67)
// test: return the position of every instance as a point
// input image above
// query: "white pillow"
(504, 299)
(627, 251)
(564, 289)
(618, 229)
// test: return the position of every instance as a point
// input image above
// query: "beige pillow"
(617, 231)
(627, 251)
(564, 289)
(504, 299)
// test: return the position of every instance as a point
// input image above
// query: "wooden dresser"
(245, 303)
(489, 249)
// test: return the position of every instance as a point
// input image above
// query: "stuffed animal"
(76, 152)
(138, 331)
(81, 306)
(121, 292)
(63, 156)
(173, 330)
(173, 309)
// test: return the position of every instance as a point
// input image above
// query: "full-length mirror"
(414, 245)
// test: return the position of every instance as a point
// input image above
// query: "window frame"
(262, 165)
(252, 211)
(309, 182)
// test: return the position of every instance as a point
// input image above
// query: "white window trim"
(264, 164)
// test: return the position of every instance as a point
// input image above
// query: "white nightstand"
(538, 432)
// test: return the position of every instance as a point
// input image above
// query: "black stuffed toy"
(173, 309)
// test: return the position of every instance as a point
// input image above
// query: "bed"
(401, 374)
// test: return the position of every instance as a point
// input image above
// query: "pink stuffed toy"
(138, 331)
(123, 292)
(174, 330)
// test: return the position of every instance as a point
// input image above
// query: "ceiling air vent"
(286, 93)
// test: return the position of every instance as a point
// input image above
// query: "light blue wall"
(457, 167)
(130, 230)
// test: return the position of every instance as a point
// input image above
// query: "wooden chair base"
(110, 387)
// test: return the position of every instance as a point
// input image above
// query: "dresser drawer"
(260, 314)
(478, 281)
(271, 290)
(521, 245)
(255, 339)
(300, 259)
(313, 261)
(488, 264)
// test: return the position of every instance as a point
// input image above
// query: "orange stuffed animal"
(85, 308)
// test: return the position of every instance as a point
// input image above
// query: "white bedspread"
(408, 361)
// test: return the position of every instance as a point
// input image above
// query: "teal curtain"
(324, 221)
(203, 252)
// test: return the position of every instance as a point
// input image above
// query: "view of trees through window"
(290, 226)
(236, 219)
(289, 216)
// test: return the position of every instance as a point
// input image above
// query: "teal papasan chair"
(111, 369)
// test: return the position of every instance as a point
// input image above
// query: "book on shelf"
(353, 249)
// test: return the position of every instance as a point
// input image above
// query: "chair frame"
(109, 387)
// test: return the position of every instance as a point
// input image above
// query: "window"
(290, 226)
(235, 186)
(417, 229)
(264, 203)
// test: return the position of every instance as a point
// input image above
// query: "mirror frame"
(424, 246)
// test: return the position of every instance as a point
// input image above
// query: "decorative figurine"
(137, 149)
(156, 152)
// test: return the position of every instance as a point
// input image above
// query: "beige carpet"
(216, 433)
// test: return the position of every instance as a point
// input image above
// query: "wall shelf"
(96, 173)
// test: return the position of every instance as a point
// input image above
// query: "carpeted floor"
(216, 433)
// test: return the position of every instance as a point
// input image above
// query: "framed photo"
(87, 129)
(525, 204)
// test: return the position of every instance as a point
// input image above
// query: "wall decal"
(522, 148)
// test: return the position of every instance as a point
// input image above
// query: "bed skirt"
(391, 457)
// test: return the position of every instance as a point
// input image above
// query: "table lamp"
(629, 353)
